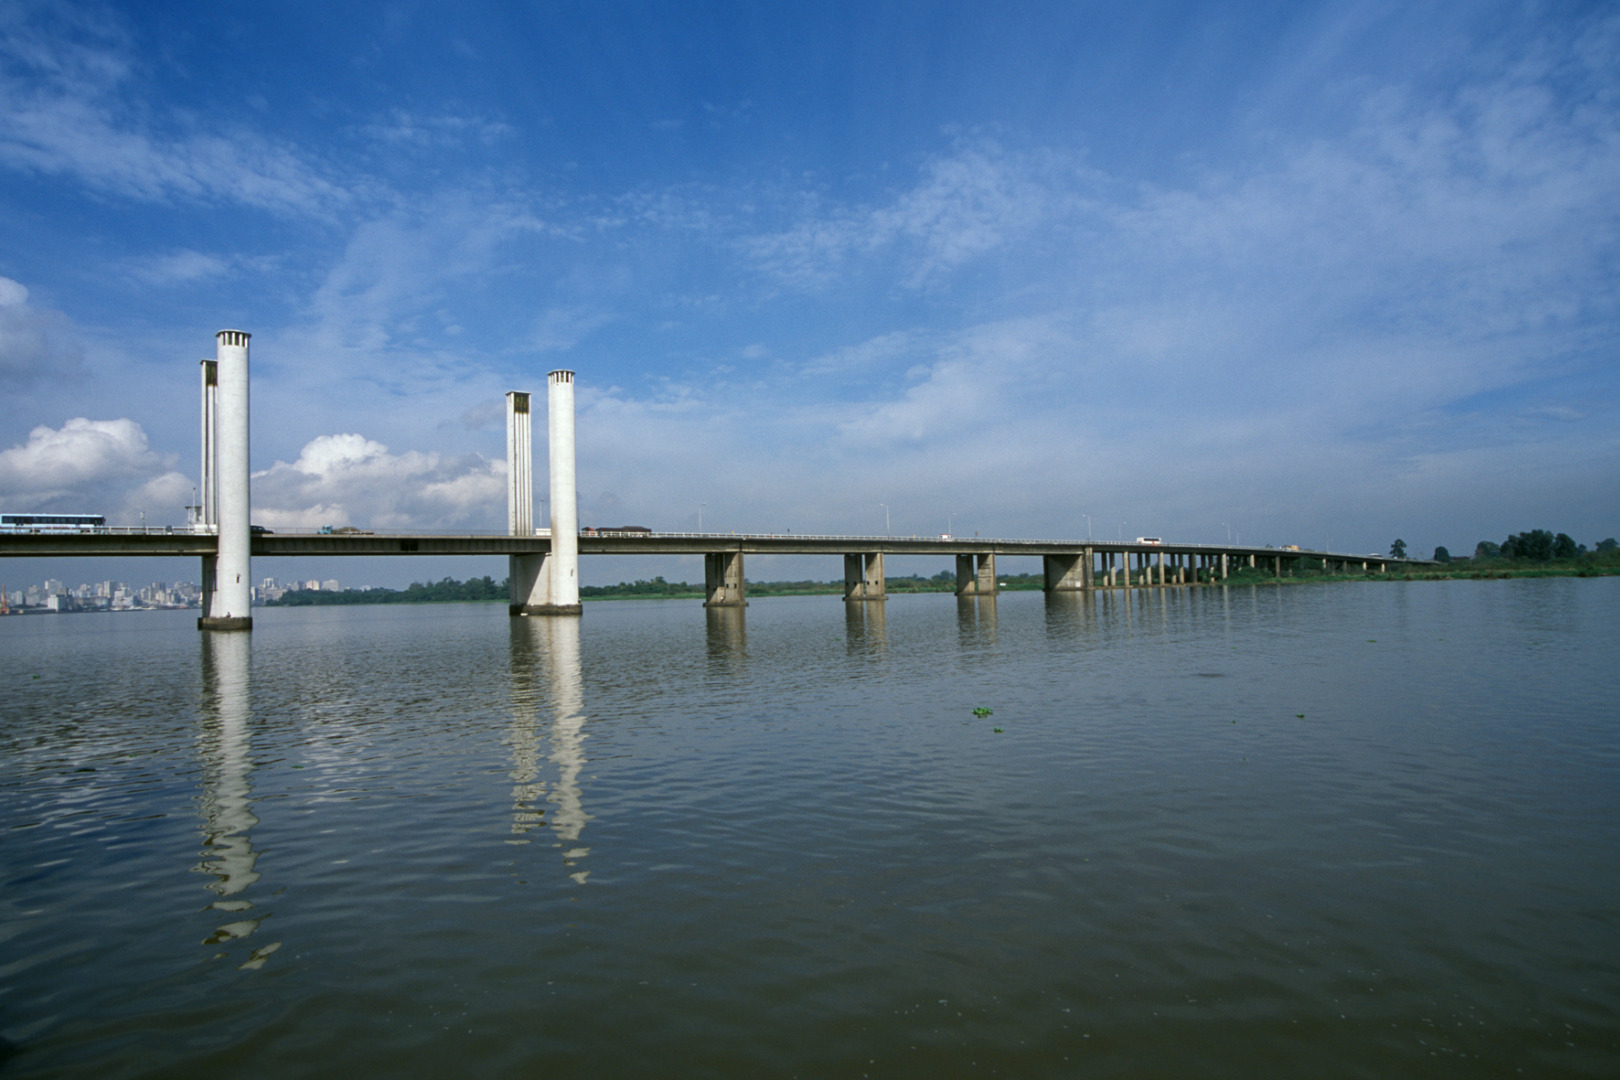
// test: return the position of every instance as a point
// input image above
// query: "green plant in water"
(981, 712)
(998, 731)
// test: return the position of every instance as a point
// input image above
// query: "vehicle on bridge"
(1148, 540)
(52, 522)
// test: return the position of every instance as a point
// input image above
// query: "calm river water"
(1348, 830)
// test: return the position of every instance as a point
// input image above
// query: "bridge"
(1067, 565)
(544, 563)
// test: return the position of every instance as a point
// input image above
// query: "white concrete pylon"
(528, 579)
(207, 509)
(232, 599)
(564, 560)
(519, 465)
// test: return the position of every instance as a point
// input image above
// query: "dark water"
(1358, 830)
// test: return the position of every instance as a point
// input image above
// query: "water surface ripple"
(1358, 830)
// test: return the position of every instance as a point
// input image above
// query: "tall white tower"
(564, 501)
(206, 512)
(519, 466)
(230, 606)
(528, 579)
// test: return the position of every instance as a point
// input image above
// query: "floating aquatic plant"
(981, 711)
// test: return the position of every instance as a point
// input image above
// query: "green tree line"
(488, 590)
(1538, 545)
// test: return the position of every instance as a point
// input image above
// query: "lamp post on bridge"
(1088, 525)
(885, 517)
(700, 515)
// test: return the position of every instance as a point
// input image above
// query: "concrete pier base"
(529, 579)
(723, 581)
(1067, 573)
(863, 577)
(225, 622)
(976, 575)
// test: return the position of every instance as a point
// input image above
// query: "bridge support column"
(863, 577)
(529, 585)
(723, 580)
(976, 575)
(563, 563)
(232, 598)
(210, 576)
(1226, 568)
(1066, 573)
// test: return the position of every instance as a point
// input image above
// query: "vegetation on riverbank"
(1537, 553)
(488, 590)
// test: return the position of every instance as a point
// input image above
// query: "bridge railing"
(732, 537)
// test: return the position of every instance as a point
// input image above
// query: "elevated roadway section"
(1068, 565)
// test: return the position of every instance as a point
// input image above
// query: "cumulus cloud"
(35, 342)
(93, 466)
(348, 479)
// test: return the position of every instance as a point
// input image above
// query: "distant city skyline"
(1318, 273)
(111, 595)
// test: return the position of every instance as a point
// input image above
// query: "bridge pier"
(863, 577)
(563, 562)
(976, 574)
(723, 581)
(529, 586)
(1067, 573)
(231, 599)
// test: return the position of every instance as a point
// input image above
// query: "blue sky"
(1321, 274)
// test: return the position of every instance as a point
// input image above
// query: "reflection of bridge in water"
(546, 672)
(225, 745)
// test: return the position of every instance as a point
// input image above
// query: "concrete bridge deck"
(1068, 565)
(122, 542)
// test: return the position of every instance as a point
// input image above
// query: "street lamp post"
(1088, 525)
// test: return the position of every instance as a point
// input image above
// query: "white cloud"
(35, 343)
(66, 79)
(348, 479)
(99, 465)
(438, 131)
(183, 267)
(976, 200)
